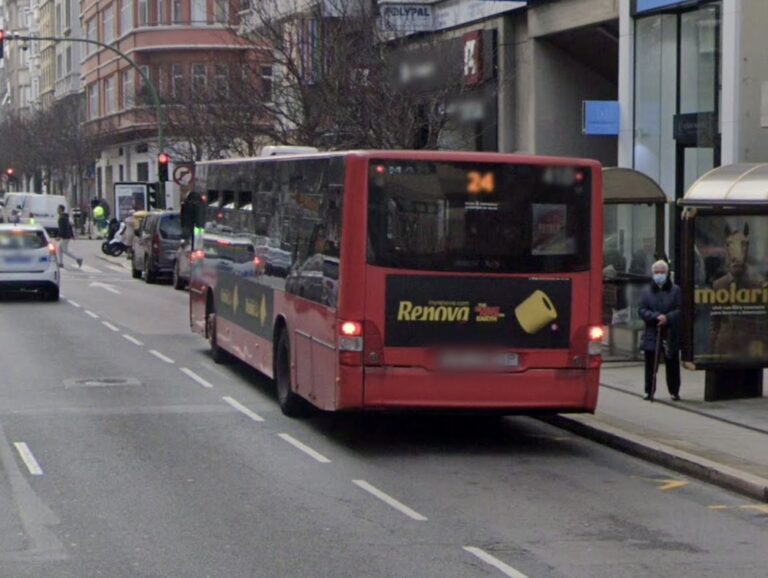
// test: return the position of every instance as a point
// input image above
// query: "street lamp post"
(144, 77)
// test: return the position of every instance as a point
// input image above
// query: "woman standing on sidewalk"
(660, 309)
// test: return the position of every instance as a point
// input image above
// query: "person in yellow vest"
(99, 218)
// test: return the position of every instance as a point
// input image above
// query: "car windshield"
(22, 239)
(170, 227)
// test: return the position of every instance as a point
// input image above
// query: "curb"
(684, 462)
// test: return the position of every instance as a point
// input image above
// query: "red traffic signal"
(162, 167)
(10, 172)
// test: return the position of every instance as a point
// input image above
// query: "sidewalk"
(725, 442)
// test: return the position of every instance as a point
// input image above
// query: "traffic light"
(2, 39)
(162, 167)
(153, 196)
(10, 173)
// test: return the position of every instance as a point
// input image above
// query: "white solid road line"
(495, 562)
(108, 325)
(161, 356)
(133, 340)
(73, 303)
(197, 378)
(389, 500)
(305, 448)
(28, 459)
(91, 314)
(242, 409)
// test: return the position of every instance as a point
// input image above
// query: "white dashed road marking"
(89, 269)
(91, 314)
(242, 409)
(29, 460)
(117, 268)
(73, 303)
(304, 448)
(191, 374)
(108, 325)
(161, 357)
(133, 339)
(495, 562)
(389, 500)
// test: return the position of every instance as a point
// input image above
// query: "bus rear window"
(478, 217)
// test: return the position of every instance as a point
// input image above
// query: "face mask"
(659, 278)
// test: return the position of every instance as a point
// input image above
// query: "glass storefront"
(678, 97)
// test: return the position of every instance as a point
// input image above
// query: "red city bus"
(383, 279)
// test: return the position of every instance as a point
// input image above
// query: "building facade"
(182, 46)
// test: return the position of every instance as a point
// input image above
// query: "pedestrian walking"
(66, 234)
(660, 309)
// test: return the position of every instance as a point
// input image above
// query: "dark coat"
(65, 227)
(656, 301)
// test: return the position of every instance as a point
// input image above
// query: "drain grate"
(102, 382)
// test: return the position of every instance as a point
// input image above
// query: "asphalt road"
(125, 452)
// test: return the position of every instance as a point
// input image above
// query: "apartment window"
(109, 25)
(161, 19)
(35, 88)
(126, 16)
(266, 83)
(176, 11)
(68, 14)
(91, 34)
(59, 66)
(177, 81)
(109, 95)
(93, 101)
(222, 81)
(221, 11)
(69, 59)
(59, 20)
(199, 78)
(143, 12)
(142, 172)
(128, 89)
(199, 12)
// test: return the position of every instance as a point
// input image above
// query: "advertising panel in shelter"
(730, 290)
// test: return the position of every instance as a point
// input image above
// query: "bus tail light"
(596, 337)
(350, 342)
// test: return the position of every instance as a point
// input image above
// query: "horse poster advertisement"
(730, 292)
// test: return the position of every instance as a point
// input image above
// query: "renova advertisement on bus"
(730, 290)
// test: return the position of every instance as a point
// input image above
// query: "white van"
(28, 206)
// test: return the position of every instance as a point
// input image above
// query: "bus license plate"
(478, 360)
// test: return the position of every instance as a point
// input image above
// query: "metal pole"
(144, 77)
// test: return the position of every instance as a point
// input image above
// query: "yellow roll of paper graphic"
(536, 312)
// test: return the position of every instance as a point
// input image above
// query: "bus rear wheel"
(291, 404)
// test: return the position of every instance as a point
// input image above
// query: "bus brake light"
(350, 343)
(596, 337)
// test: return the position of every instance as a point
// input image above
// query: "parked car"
(28, 261)
(155, 244)
(33, 207)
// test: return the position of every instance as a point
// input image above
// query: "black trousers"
(672, 367)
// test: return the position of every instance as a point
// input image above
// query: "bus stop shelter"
(633, 239)
(725, 279)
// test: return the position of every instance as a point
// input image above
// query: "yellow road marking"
(718, 508)
(671, 485)
(763, 509)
